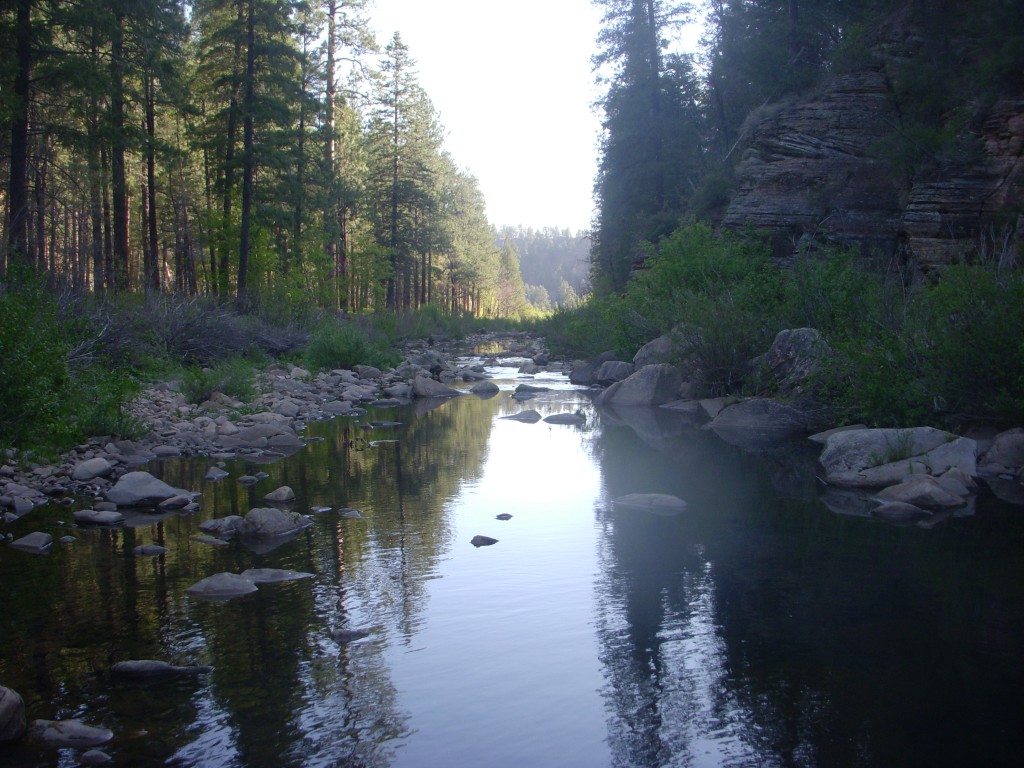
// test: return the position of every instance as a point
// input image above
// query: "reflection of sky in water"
(757, 628)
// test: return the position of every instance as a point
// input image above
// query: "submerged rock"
(482, 541)
(503, 516)
(280, 495)
(900, 512)
(148, 669)
(273, 575)
(36, 542)
(661, 504)
(221, 586)
(59, 734)
(343, 636)
(150, 550)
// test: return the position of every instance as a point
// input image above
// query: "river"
(758, 628)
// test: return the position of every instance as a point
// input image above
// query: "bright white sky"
(512, 83)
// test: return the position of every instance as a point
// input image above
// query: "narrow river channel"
(758, 628)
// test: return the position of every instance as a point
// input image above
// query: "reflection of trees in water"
(754, 630)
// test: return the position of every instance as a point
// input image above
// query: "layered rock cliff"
(815, 170)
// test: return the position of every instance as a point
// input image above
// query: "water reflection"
(758, 628)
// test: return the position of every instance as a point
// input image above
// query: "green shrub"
(343, 344)
(234, 378)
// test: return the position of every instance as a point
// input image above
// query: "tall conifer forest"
(252, 150)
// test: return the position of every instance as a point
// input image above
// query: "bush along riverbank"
(763, 352)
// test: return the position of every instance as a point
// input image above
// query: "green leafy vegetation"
(902, 354)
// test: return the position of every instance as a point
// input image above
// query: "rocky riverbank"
(266, 429)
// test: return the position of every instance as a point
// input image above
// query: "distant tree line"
(555, 264)
(673, 120)
(257, 150)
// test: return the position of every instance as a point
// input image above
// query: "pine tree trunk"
(248, 162)
(17, 194)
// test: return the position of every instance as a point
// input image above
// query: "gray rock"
(12, 715)
(265, 522)
(176, 502)
(484, 389)
(211, 540)
(662, 504)
(873, 458)
(280, 495)
(148, 669)
(660, 350)
(613, 371)
(792, 360)
(141, 489)
(584, 373)
(36, 542)
(58, 734)
(98, 517)
(503, 516)
(368, 372)
(222, 526)
(221, 586)
(482, 541)
(1005, 455)
(651, 385)
(91, 469)
(424, 386)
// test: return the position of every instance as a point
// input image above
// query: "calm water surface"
(760, 628)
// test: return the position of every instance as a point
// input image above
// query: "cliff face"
(812, 171)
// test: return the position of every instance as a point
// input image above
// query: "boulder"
(613, 371)
(484, 389)
(265, 522)
(94, 757)
(12, 715)
(424, 386)
(222, 526)
(215, 474)
(482, 541)
(660, 350)
(1005, 455)
(794, 357)
(141, 489)
(280, 495)
(221, 586)
(651, 385)
(91, 469)
(59, 734)
(583, 373)
(873, 458)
